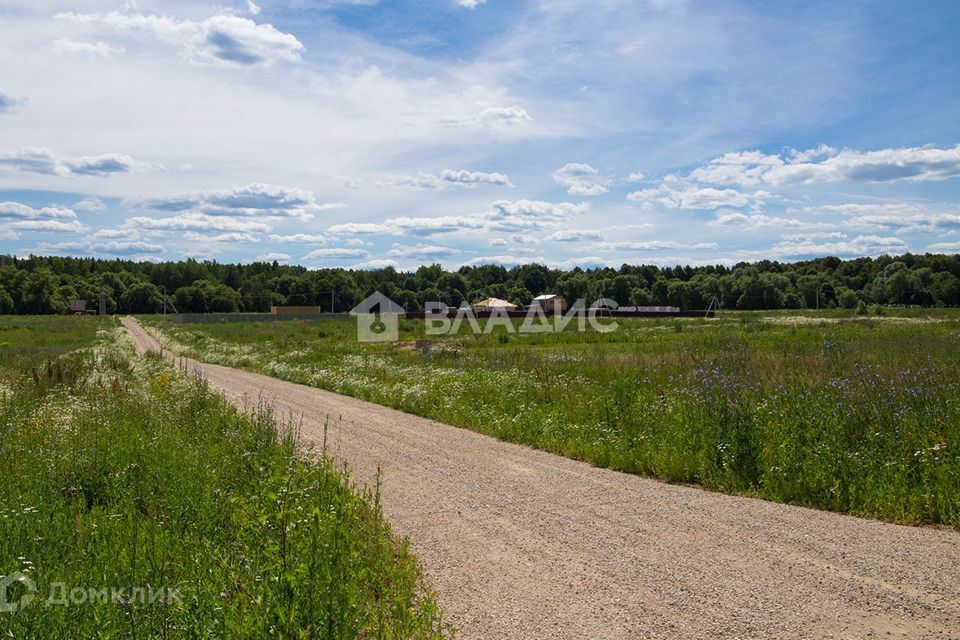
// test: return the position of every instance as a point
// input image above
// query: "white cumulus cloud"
(826, 164)
(337, 253)
(581, 179)
(194, 221)
(859, 246)
(447, 178)
(492, 117)
(255, 199)
(574, 235)
(689, 197)
(47, 162)
(225, 38)
(421, 252)
(274, 256)
(93, 49)
(299, 238)
(110, 248)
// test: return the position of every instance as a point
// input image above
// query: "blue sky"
(569, 132)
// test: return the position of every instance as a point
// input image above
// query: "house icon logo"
(28, 586)
(378, 319)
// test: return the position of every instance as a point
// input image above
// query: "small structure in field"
(493, 303)
(78, 307)
(550, 302)
(423, 346)
(295, 311)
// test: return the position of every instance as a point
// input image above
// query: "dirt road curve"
(524, 544)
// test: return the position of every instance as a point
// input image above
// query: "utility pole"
(103, 303)
(164, 301)
(819, 289)
(332, 301)
(714, 306)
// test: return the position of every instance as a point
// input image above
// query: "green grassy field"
(828, 410)
(148, 507)
(29, 341)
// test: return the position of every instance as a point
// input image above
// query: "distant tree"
(6, 302)
(429, 295)
(427, 276)
(660, 290)
(38, 292)
(222, 299)
(282, 284)
(498, 290)
(142, 297)
(256, 294)
(622, 286)
(640, 297)
(63, 296)
(406, 299)
(847, 299)
(945, 289)
(534, 278)
(520, 295)
(791, 300)
(453, 286)
(190, 299)
(483, 275)
(39, 284)
(574, 286)
(475, 295)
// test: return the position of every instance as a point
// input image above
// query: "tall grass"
(29, 341)
(854, 415)
(123, 480)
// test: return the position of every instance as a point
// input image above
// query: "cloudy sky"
(362, 133)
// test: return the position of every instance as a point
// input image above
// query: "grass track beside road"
(124, 478)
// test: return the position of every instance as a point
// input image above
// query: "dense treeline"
(44, 285)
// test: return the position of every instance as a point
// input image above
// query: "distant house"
(493, 303)
(550, 302)
(78, 307)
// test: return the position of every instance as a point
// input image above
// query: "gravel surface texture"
(520, 543)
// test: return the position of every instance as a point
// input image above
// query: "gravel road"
(520, 543)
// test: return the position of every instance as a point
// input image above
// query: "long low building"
(295, 311)
(660, 309)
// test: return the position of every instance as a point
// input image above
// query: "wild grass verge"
(137, 503)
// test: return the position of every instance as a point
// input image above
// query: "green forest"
(47, 285)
